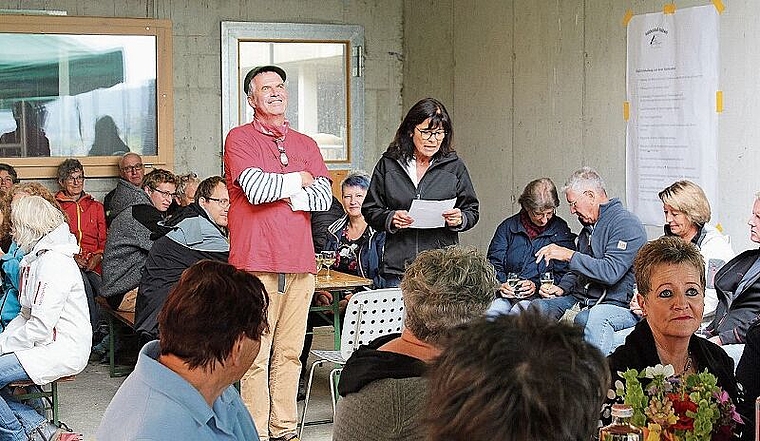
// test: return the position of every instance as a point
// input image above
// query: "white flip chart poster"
(672, 106)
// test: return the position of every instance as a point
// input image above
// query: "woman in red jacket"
(86, 215)
(87, 222)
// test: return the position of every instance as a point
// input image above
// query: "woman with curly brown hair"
(9, 302)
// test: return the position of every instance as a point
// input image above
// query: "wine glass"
(513, 280)
(547, 280)
(320, 262)
(328, 259)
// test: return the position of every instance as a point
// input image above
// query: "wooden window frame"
(105, 166)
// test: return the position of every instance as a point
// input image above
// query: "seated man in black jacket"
(737, 285)
(195, 232)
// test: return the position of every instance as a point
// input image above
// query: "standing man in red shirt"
(276, 177)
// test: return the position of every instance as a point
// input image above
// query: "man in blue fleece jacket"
(601, 269)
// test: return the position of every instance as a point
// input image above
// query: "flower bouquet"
(670, 408)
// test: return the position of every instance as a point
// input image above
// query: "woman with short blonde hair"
(687, 197)
(687, 213)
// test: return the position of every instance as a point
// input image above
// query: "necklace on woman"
(668, 360)
(687, 365)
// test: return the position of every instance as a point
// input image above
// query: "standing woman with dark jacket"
(420, 163)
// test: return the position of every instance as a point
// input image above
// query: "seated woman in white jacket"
(51, 336)
(687, 213)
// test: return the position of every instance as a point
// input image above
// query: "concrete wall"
(197, 61)
(535, 88)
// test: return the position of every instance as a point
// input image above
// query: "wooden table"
(337, 282)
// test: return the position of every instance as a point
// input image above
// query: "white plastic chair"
(369, 315)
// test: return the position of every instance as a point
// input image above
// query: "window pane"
(317, 86)
(77, 95)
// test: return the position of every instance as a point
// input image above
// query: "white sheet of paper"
(429, 214)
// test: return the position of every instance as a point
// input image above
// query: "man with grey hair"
(382, 384)
(131, 171)
(601, 270)
(276, 177)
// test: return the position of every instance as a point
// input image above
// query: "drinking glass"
(513, 280)
(328, 259)
(547, 279)
(320, 263)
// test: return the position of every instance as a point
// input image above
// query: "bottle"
(621, 428)
(757, 418)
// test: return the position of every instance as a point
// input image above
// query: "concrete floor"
(84, 400)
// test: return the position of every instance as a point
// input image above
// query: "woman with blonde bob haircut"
(687, 213)
(51, 336)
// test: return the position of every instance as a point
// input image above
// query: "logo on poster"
(656, 36)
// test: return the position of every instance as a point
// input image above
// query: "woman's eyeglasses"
(543, 214)
(429, 134)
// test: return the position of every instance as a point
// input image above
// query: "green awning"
(46, 66)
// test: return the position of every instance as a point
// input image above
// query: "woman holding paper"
(420, 163)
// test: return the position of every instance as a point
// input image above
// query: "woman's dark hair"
(515, 378)
(208, 310)
(402, 146)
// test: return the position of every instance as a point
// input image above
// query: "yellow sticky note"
(719, 6)
(626, 110)
(669, 8)
(628, 16)
(719, 101)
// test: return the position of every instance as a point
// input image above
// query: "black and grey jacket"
(190, 236)
(392, 189)
(736, 311)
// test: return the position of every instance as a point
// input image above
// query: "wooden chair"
(369, 315)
